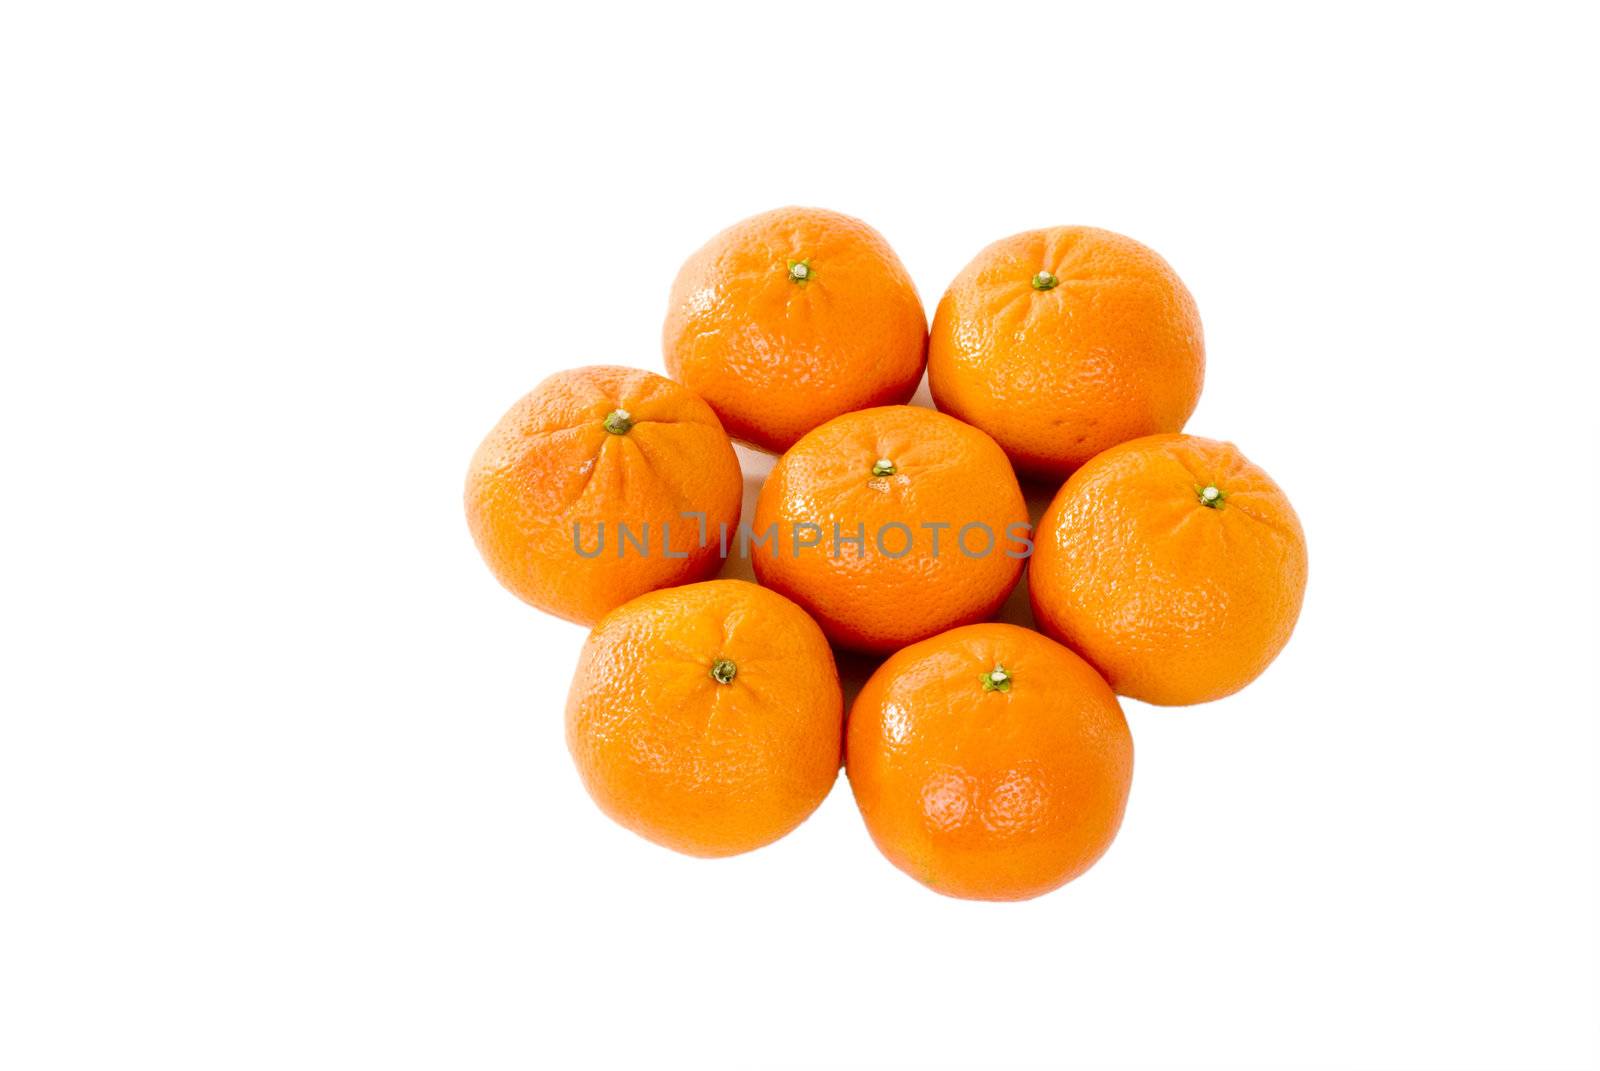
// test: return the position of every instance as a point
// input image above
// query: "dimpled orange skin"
(945, 472)
(703, 767)
(776, 356)
(982, 793)
(1175, 602)
(550, 463)
(1110, 351)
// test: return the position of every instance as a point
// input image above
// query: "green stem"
(723, 671)
(997, 679)
(619, 422)
(1045, 281)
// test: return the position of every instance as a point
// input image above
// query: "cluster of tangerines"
(989, 761)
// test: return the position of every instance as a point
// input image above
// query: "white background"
(282, 779)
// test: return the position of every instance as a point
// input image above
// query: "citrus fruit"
(1063, 342)
(1174, 565)
(791, 317)
(989, 762)
(706, 718)
(577, 498)
(892, 524)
